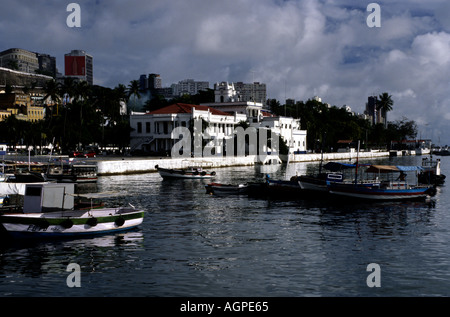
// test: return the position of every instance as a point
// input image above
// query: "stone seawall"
(144, 165)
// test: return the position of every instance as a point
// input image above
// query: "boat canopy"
(392, 168)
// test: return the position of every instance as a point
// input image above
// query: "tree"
(12, 64)
(52, 90)
(133, 90)
(157, 102)
(385, 105)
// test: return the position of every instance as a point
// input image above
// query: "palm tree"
(52, 90)
(133, 89)
(68, 88)
(82, 91)
(385, 104)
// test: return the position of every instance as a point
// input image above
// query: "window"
(33, 191)
(147, 127)
(139, 127)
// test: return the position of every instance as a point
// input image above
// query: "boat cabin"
(41, 198)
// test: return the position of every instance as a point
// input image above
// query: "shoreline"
(110, 165)
(126, 166)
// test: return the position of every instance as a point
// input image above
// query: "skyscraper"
(78, 64)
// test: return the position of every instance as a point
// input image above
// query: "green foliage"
(326, 125)
(92, 115)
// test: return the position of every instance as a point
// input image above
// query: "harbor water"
(192, 244)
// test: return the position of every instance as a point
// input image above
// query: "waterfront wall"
(133, 166)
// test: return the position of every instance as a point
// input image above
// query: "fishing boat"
(72, 172)
(431, 172)
(219, 188)
(389, 189)
(50, 211)
(276, 188)
(318, 182)
(281, 186)
(191, 172)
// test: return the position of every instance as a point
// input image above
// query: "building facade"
(47, 64)
(189, 87)
(79, 65)
(228, 100)
(255, 91)
(372, 112)
(24, 60)
(153, 132)
(21, 106)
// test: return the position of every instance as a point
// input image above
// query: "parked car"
(90, 154)
(77, 154)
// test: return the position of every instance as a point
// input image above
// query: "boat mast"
(356, 167)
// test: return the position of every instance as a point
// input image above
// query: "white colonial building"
(153, 132)
(289, 129)
(227, 99)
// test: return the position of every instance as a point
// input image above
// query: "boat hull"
(71, 223)
(225, 189)
(186, 174)
(375, 193)
(312, 184)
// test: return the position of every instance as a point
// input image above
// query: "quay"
(114, 165)
(134, 165)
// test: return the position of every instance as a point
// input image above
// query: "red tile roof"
(187, 108)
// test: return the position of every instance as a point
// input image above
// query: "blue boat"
(318, 182)
(398, 189)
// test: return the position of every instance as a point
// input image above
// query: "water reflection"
(194, 244)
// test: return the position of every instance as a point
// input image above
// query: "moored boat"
(318, 182)
(219, 188)
(290, 186)
(49, 211)
(431, 172)
(72, 172)
(192, 172)
(398, 189)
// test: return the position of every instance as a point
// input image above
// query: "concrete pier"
(147, 165)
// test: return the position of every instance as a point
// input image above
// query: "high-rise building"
(79, 65)
(251, 92)
(47, 64)
(189, 86)
(19, 59)
(154, 81)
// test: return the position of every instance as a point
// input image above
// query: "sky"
(298, 48)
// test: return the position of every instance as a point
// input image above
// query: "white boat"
(192, 172)
(431, 172)
(49, 211)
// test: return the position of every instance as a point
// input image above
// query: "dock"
(134, 165)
